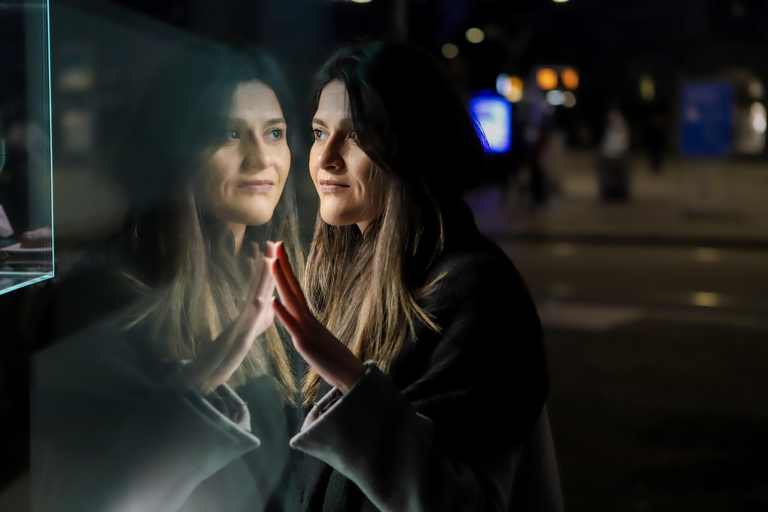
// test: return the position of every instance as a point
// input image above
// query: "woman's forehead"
(333, 106)
(255, 99)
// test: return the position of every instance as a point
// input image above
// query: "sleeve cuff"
(222, 401)
(336, 415)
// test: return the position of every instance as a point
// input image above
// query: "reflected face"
(249, 170)
(340, 169)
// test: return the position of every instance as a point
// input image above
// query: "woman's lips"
(257, 185)
(329, 186)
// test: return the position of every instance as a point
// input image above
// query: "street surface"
(656, 325)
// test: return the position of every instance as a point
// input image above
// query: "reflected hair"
(426, 152)
(185, 262)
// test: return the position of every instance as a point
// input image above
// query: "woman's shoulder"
(473, 265)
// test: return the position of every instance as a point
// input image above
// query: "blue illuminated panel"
(494, 114)
(707, 119)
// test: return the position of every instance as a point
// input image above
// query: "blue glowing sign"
(706, 119)
(494, 114)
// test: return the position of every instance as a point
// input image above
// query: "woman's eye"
(276, 133)
(318, 134)
(353, 136)
(229, 134)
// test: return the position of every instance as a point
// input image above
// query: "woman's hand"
(225, 354)
(335, 363)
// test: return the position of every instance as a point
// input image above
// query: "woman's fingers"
(266, 288)
(285, 266)
(254, 320)
(206, 363)
(289, 300)
(292, 325)
(271, 249)
(335, 363)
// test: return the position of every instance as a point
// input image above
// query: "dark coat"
(452, 426)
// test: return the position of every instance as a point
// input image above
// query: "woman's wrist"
(353, 374)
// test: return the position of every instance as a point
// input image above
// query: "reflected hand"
(219, 361)
(334, 362)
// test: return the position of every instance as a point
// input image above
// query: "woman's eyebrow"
(243, 122)
(346, 122)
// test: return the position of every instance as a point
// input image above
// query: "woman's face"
(249, 170)
(340, 169)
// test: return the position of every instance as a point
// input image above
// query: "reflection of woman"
(120, 422)
(443, 416)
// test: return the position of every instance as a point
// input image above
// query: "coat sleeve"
(106, 437)
(451, 438)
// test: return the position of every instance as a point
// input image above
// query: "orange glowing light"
(515, 92)
(546, 78)
(570, 78)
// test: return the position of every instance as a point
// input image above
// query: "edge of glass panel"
(46, 33)
(47, 47)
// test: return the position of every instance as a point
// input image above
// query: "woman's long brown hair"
(426, 150)
(185, 262)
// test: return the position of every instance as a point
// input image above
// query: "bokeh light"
(647, 88)
(475, 35)
(757, 113)
(546, 78)
(569, 99)
(570, 78)
(503, 86)
(449, 50)
(555, 98)
(515, 89)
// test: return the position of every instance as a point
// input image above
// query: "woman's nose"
(330, 158)
(257, 157)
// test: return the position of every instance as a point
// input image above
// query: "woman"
(137, 411)
(444, 412)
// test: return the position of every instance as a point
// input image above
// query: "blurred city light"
(705, 299)
(570, 78)
(503, 86)
(647, 88)
(361, 1)
(515, 89)
(569, 99)
(757, 112)
(560, 1)
(546, 78)
(475, 35)
(555, 98)
(449, 50)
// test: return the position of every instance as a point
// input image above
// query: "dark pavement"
(656, 325)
